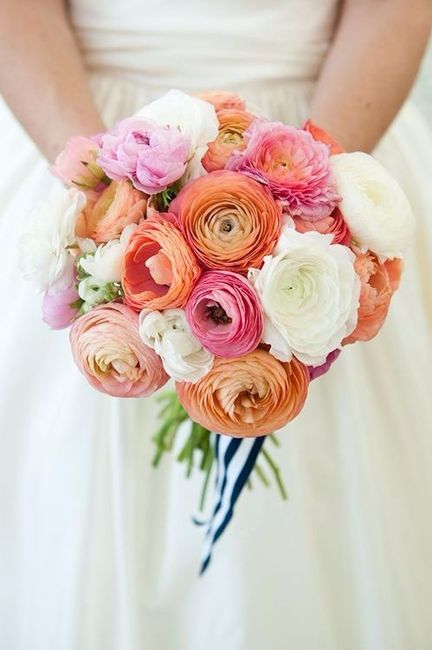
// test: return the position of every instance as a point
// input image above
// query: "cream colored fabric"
(97, 549)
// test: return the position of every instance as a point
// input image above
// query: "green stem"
(276, 472)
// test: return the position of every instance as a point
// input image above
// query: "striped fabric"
(235, 461)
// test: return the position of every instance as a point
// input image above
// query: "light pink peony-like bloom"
(108, 350)
(150, 155)
(225, 314)
(318, 371)
(76, 164)
(292, 165)
(56, 305)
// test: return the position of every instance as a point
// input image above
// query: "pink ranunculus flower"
(76, 164)
(293, 165)
(108, 350)
(334, 225)
(318, 371)
(225, 314)
(150, 155)
(57, 303)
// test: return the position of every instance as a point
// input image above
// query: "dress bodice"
(199, 43)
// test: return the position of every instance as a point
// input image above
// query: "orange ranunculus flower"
(229, 220)
(378, 283)
(159, 270)
(320, 135)
(248, 396)
(222, 99)
(233, 123)
(118, 206)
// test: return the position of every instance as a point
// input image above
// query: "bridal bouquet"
(234, 255)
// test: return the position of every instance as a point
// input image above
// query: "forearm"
(42, 77)
(370, 68)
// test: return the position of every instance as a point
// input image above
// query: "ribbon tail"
(235, 459)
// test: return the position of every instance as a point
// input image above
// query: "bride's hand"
(42, 76)
(370, 68)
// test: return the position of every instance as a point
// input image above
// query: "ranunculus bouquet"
(237, 256)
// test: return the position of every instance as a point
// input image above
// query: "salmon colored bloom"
(108, 350)
(248, 396)
(222, 99)
(334, 225)
(159, 269)
(233, 122)
(320, 135)
(229, 220)
(118, 206)
(378, 283)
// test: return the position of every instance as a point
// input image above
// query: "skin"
(366, 77)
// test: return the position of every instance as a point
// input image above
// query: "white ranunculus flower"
(195, 119)
(92, 292)
(310, 295)
(105, 264)
(373, 204)
(168, 333)
(43, 249)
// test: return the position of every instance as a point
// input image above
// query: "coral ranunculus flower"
(159, 269)
(229, 220)
(108, 350)
(232, 124)
(118, 206)
(322, 136)
(225, 314)
(293, 165)
(222, 99)
(248, 396)
(378, 283)
(334, 225)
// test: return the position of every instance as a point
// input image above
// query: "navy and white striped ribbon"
(235, 458)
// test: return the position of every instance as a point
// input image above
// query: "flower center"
(218, 314)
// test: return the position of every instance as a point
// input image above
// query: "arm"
(42, 77)
(370, 68)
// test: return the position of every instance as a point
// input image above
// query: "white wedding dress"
(97, 549)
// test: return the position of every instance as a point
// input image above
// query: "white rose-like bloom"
(310, 294)
(168, 333)
(195, 119)
(43, 249)
(92, 292)
(373, 204)
(105, 265)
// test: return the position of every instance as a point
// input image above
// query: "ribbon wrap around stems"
(235, 458)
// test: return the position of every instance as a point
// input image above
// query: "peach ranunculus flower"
(108, 350)
(233, 122)
(222, 99)
(229, 220)
(118, 206)
(379, 280)
(334, 225)
(249, 396)
(159, 269)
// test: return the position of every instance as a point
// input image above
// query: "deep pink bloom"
(76, 164)
(151, 156)
(225, 314)
(318, 371)
(56, 305)
(293, 165)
